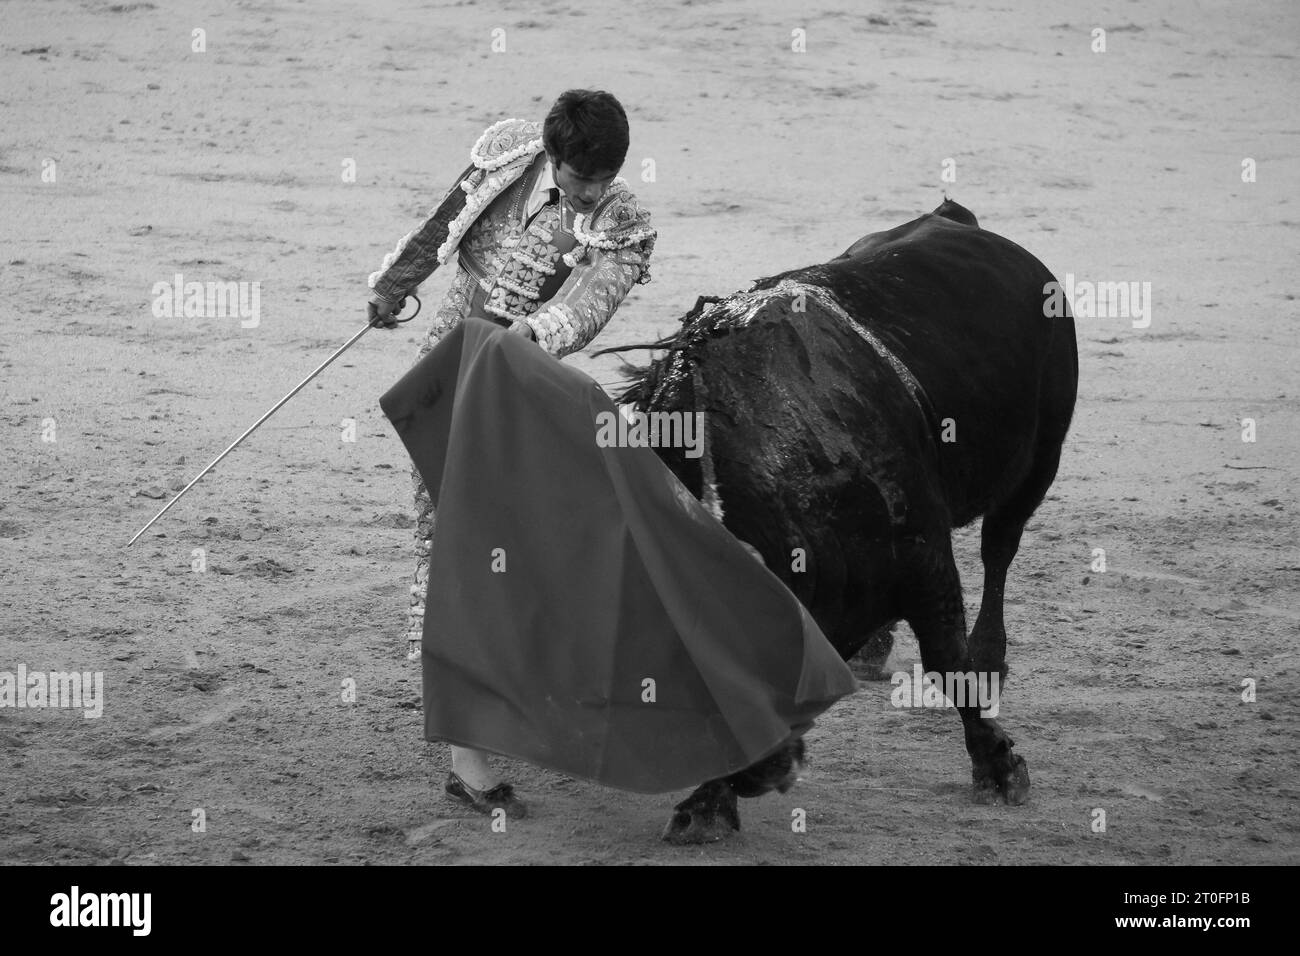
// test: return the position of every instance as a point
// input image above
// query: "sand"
(224, 686)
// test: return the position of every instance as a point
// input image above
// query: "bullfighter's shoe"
(502, 796)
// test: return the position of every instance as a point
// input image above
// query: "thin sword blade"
(251, 428)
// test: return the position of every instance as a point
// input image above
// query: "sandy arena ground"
(223, 687)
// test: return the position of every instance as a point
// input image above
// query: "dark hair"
(588, 130)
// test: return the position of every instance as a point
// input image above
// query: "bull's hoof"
(706, 819)
(1009, 785)
(687, 827)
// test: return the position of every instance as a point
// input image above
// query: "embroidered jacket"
(565, 281)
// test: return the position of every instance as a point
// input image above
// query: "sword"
(296, 389)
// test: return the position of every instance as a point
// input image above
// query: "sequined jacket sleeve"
(416, 255)
(588, 299)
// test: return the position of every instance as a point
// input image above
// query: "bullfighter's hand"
(381, 313)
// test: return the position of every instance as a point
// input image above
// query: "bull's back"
(962, 308)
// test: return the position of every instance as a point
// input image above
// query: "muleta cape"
(585, 613)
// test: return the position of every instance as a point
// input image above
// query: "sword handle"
(418, 306)
(392, 316)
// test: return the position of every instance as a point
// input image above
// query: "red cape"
(630, 638)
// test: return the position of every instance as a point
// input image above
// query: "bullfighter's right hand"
(382, 313)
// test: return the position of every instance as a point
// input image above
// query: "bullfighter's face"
(582, 191)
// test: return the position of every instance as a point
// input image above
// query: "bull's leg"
(777, 771)
(1000, 540)
(869, 662)
(710, 813)
(939, 620)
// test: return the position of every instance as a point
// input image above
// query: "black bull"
(855, 413)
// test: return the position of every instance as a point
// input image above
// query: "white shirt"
(542, 191)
